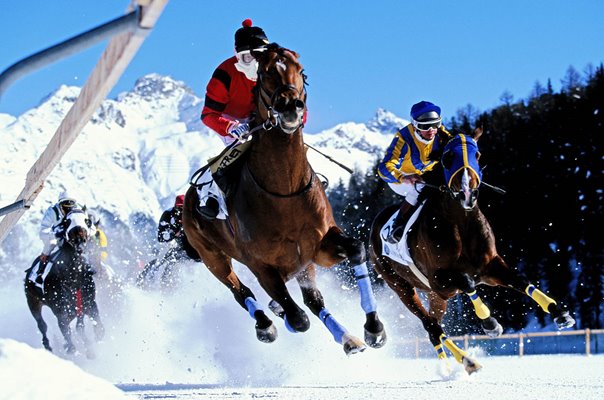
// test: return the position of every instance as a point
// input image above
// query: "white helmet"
(66, 196)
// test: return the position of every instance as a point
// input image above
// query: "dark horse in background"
(68, 287)
(452, 247)
(280, 223)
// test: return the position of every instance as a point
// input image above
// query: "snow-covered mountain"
(139, 151)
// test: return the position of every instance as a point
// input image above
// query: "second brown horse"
(279, 223)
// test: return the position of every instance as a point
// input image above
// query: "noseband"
(274, 114)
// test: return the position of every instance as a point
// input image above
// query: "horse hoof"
(352, 344)
(267, 335)
(564, 320)
(276, 308)
(491, 327)
(470, 365)
(90, 354)
(99, 331)
(375, 340)
(298, 323)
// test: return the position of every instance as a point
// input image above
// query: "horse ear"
(477, 133)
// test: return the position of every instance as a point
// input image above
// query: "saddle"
(399, 252)
(226, 167)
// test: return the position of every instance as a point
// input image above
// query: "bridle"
(270, 101)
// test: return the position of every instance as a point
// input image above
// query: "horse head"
(462, 171)
(280, 92)
(76, 230)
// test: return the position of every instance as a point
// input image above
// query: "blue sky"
(359, 55)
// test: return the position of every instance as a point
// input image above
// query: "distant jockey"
(52, 227)
(170, 228)
(409, 156)
(100, 239)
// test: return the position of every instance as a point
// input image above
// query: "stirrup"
(395, 235)
(210, 210)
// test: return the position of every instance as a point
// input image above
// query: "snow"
(195, 342)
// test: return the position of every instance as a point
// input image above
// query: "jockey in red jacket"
(229, 100)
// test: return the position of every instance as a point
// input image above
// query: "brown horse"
(68, 288)
(280, 223)
(452, 249)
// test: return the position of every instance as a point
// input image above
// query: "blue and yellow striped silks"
(464, 150)
(481, 309)
(406, 155)
(541, 298)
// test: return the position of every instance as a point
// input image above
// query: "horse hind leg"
(498, 273)
(314, 301)
(337, 246)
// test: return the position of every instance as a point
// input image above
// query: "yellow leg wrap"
(481, 309)
(458, 353)
(440, 352)
(541, 298)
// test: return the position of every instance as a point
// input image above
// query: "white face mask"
(247, 64)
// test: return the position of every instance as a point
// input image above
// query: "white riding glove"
(240, 131)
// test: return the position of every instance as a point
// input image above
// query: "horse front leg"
(283, 305)
(335, 246)
(220, 266)
(498, 273)
(35, 307)
(430, 320)
(64, 320)
(314, 301)
(454, 280)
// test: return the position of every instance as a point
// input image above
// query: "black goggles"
(68, 203)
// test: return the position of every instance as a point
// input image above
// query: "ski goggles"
(247, 57)
(427, 125)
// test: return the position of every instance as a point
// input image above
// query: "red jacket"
(228, 97)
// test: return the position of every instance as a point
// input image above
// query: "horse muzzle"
(289, 114)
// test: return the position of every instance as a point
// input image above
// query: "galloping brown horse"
(280, 223)
(452, 249)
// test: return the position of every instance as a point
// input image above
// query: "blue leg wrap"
(288, 326)
(368, 302)
(332, 325)
(252, 306)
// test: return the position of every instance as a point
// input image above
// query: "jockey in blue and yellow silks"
(407, 158)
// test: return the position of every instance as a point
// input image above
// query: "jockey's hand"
(43, 258)
(240, 131)
(412, 179)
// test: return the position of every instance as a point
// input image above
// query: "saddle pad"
(33, 273)
(399, 252)
(207, 188)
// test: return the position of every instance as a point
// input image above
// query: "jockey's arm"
(47, 234)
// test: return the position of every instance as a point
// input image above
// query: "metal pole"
(128, 22)
(12, 207)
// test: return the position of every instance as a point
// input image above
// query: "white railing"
(520, 337)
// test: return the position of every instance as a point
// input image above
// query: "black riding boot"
(398, 226)
(40, 273)
(210, 210)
